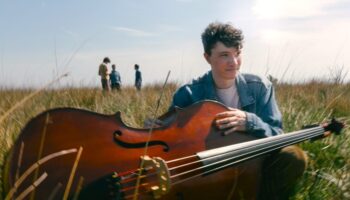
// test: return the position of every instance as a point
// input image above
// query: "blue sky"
(291, 40)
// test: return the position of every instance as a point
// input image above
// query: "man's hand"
(231, 121)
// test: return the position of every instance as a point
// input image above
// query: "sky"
(294, 41)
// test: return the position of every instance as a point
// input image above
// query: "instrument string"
(180, 159)
(313, 132)
(267, 144)
(272, 140)
(130, 179)
(245, 156)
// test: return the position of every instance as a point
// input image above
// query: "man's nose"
(234, 60)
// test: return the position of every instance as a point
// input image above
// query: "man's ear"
(206, 56)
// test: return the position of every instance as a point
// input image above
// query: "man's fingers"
(229, 124)
(226, 120)
(231, 121)
(231, 130)
(226, 114)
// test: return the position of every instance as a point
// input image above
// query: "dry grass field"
(328, 173)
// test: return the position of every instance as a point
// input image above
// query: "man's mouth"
(232, 69)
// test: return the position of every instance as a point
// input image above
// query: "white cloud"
(279, 9)
(304, 51)
(169, 28)
(308, 32)
(133, 32)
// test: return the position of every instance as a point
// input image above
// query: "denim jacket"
(256, 97)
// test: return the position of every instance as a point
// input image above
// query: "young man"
(114, 78)
(103, 72)
(253, 108)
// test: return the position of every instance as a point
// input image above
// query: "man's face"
(225, 61)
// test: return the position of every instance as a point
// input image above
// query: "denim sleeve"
(268, 119)
(181, 98)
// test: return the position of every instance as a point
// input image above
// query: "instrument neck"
(227, 156)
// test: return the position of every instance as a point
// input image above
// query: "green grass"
(328, 173)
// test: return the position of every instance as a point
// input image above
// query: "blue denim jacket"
(256, 96)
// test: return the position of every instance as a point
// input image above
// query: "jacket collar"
(210, 87)
(245, 96)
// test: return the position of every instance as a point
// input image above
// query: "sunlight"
(271, 36)
(273, 9)
(268, 9)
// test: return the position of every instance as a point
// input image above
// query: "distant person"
(114, 79)
(103, 72)
(138, 77)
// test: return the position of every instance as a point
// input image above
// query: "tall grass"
(328, 173)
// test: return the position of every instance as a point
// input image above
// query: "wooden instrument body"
(111, 146)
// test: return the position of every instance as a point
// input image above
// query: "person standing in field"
(114, 78)
(103, 72)
(138, 77)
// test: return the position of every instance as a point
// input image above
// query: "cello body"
(109, 147)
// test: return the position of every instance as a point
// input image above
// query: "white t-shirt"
(229, 96)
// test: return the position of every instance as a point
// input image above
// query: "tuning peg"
(335, 126)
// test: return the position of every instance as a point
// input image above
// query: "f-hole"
(118, 138)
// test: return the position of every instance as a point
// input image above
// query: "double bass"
(68, 153)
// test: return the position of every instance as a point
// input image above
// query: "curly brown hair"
(221, 32)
